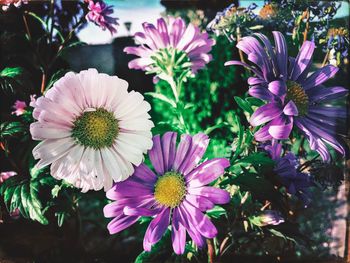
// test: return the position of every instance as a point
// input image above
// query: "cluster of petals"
(286, 167)
(170, 33)
(99, 13)
(70, 98)
(135, 197)
(274, 71)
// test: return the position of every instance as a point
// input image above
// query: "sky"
(139, 11)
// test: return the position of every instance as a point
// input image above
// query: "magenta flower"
(6, 175)
(19, 107)
(177, 194)
(170, 46)
(99, 13)
(294, 97)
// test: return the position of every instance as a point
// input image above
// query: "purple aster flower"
(176, 194)
(286, 167)
(294, 97)
(99, 13)
(170, 47)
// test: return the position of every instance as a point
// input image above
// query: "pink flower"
(173, 44)
(17, 3)
(6, 175)
(19, 107)
(99, 13)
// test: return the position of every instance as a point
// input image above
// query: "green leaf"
(72, 45)
(24, 196)
(254, 101)
(56, 76)
(216, 212)
(10, 128)
(257, 158)
(55, 191)
(281, 235)
(217, 126)
(11, 72)
(244, 105)
(162, 97)
(38, 18)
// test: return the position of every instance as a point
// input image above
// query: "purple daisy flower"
(286, 167)
(170, 46)
(176, 194)
(294, 97)
(99, 13)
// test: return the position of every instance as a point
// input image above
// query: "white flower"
(92, 129)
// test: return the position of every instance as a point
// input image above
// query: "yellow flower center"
(170, 189)
(296, 93)
(97, 128)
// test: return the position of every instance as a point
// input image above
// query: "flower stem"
(239, 36)
(326, 58)
(176, 89)
(307, 25)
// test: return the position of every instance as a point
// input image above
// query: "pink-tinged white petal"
(171, 33)
(80, 164)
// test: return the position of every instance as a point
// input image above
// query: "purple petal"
(281, 131)
(281, 53)
(139, 211)
(319, 94)
(207, 172)
(215, 195)
(200, 202)
(303, 59)
(199, 145)
(130, 188)
(169, 149)
(261, 92)
(163, 31)
(278, 87)
(190, 228)
(178, 235)
(182, 150)
(319, 76)
(120, 223)
(156, 155)
(263, 134)
(112, 210)
(265, 113)
(332, 112)
(239, 63)
(316, 129)
(144, 174)
(255, 81)
(156, 229)
(202, 223)
(290, 109)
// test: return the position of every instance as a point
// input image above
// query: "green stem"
(176, 89)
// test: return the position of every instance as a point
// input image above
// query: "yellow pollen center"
(170, 189)
(296, 93)
(97, 128)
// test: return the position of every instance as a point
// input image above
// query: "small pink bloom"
(19, 107)
(99, 13)
(6, 175)
(17, 3)
(15, 213)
